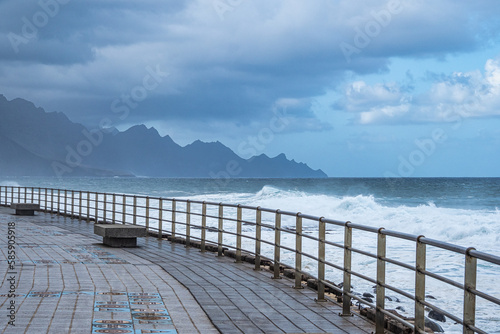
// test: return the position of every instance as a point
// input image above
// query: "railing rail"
(228, 220)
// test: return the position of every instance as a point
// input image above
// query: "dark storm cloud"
(231, 66)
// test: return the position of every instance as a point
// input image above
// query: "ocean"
(461, 211)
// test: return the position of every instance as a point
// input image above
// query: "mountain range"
(38, 143)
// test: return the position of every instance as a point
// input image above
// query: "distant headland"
(39, 143)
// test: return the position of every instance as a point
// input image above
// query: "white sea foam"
(464, 227)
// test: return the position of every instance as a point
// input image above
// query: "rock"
(341, 284)
(212, 247)
(433, 326)
(395, 299)
(368, 299)
(430, 297)
(437, 316)
(388, 298)
(401, 308)
(271, 267)
(230, 253)
(196, 244)
(312, 283)
(369, 295)
(249, 258)
(290, 273)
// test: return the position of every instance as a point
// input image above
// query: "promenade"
(65, 281)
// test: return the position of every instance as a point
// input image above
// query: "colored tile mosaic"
(44, 294)
(138, 305)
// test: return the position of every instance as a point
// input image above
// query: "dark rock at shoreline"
(437, 316)
(433, 326)
(368, 299)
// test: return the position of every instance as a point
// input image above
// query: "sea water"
(461, 211)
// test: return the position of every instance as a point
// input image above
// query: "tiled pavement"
(80, 283)
(67, 282)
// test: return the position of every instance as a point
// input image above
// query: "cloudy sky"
(356, 88)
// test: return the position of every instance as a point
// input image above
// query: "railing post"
(258, 232)
(420, 265)
(298, 252)
(346, 300)
(46, 198)
(96, 207)
(65, 202)
(238, 233)
(72, 203)
(135, 211)
(113, 214)
(80, 203)
(51, 201)
(277, 244)
(174, 208)
(160, 218)
(321, 262)
(33, 195)
(203, 226)
(105, 208)
(220, 228)
(88, 206)
(58, 202)
(188, 223)
(469, 296)
(58, 211)
(147, 213)
(25, 194)
(124, 208)
(381, 253)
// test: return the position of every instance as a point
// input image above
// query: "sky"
(357, 88)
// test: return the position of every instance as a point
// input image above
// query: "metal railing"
(222, 226)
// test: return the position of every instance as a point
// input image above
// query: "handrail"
(219, 220)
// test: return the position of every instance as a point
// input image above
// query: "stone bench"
(119, 235)
(25, 209)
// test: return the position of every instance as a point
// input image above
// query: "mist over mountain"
(38, 143)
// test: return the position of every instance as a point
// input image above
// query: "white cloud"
(459, 95)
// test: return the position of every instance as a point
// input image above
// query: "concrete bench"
(118, 235)
(25, 209)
